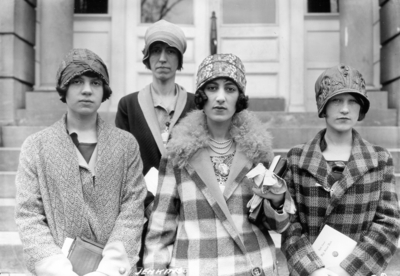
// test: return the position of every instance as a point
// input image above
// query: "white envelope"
(333, 247)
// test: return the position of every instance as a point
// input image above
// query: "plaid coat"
(363, 206)
(189, 206)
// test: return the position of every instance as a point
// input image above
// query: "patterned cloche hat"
(338, 80)
(222, 65)
(77, 62)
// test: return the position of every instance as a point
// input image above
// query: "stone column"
(390, 49)
(56, 39)
(356, 36)
(17, 56)
(296, 57)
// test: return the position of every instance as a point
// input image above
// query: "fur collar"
(191, 134)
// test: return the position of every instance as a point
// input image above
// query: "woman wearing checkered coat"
(200, 206)
(341, 180)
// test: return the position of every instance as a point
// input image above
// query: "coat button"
(256, 271)
(122, 270)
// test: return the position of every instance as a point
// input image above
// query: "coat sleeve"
(376, 248)
(122, 248)
(39, 247)
(121, 118)
(301, 257)
(163, 222)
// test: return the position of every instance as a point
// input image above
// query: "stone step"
(44, 101)
(7, 220)
(7, 185)
(286, 137)
(378, 99)
(14, 136)
(11, 256)
(9, 158)
(48, 117)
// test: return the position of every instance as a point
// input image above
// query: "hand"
(276, 200)
(323, 272)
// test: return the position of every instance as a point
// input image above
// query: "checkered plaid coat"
(363, 206)
(188, 215)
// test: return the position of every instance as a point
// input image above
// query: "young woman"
(200, 206)
(341, 180)
(80, 177)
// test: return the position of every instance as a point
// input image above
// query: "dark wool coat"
(190, 210)
(363, 206)
(136, 115)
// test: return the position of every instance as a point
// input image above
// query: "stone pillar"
(356, 36)
(17, 56)
(56, 39)
(296, 57)
(390, 49)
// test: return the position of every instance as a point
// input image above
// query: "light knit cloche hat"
(166, 32)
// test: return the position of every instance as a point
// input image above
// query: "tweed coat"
(363, 206)
(58, 197)
(190, 209)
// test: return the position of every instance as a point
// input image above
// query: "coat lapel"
(240, 162)
(314, 162)
(200, 164)
(146, 104)
(180, 105)
(363, 158)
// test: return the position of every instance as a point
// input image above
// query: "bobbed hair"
(146, 61)
(106, 88)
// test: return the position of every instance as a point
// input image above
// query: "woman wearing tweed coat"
(341, 180)
(80, 178)
(200, 206)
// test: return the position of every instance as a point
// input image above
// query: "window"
(324, 6)
(91, 6)
(174, 11)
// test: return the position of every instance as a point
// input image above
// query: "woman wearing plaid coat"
(341, 180)
(200, 206)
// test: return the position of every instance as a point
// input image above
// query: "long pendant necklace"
(165, 134)
(221, 166)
